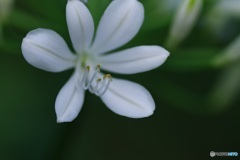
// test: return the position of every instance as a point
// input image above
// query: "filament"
(95, 85)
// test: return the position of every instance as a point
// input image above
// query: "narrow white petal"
(129, 99)
(119, 24)
(47, 50)
(69, 100)
(80, 25)
(134, 60)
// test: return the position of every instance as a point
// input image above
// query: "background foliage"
(196, 91)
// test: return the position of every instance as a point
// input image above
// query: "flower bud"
(5, 8)
(184, 21)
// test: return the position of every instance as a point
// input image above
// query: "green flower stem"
(171, 43)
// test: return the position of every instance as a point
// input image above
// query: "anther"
(94, 89)
(104, 87)
(98, 67)
(107, 76)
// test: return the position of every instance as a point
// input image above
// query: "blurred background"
(196, 90)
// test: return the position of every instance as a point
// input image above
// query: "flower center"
(94, 83)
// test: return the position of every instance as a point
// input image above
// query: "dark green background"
(185, 125)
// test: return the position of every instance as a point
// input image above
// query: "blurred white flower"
(46, 50)
(184, 20)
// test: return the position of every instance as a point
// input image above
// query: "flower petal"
(128, 99)
(134, 60)
(80, 25)
(119, 24)
(69, 100)
(46, 50)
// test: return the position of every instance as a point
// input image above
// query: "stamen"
(104, 85)
(85, 79)
(94, 89)
(97, 85)
(100, 85)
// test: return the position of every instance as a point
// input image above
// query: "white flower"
(121, 21)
